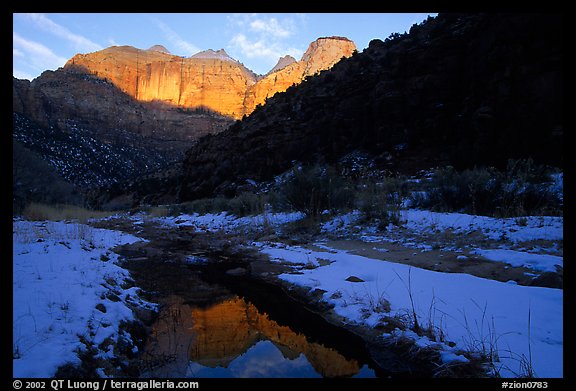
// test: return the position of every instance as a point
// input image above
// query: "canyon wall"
(208, 80)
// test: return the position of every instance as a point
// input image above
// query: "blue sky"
(47, 41)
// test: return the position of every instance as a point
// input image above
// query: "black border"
(285, 6)
(432, 6)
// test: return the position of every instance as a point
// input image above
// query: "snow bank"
(542, 262)
(223, 221)
(62, 271)
(424, 222)
(514, 229)
(341, 222)
(471, 310)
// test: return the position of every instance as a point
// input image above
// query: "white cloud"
(263, 37)
(81, 44)
(272, 26)
(35, 54)
(17, 53)
(262, 49)
(253, 49)
(183, 46)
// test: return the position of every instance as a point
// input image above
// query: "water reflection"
(233, 339)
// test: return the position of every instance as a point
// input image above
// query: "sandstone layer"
(210, 80)
(146, 75)
(322, 54)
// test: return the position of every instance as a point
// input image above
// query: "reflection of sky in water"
(263, 360)
(365, 372)
(234, 339)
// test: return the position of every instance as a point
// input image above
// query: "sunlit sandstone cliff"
(209, 80)
(149, 75)
(321, 54)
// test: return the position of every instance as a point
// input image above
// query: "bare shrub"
(522, 189)
(315, 189)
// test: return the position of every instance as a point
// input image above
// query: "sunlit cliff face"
(220, 334)
(218, 84)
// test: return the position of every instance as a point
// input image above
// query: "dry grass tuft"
(37, 212)
(159, 211)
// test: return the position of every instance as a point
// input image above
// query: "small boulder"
(101, 307)
(354, 279)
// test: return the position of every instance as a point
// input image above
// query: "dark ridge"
(460, 89)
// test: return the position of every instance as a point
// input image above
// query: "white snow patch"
(300, 256)
(60, 274)
(535, 227)
(340, 222)
(470, 310)
(194, 260)
(450, 357)
(223, 221)
(542, 262)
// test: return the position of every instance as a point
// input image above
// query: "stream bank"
(193, 274)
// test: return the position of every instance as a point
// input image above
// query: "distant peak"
(211, 54)
(336, 38)
(158, 48)
(283, 62)
(340, 46)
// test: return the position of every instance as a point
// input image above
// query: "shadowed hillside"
(464, 90)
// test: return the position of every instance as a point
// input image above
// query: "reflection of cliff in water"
(220, 336)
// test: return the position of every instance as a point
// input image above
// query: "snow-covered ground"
(62, 272)
(514, 230)
(212, 222)
(542, 262)
(59, 281)
(510, 239)
(476, 313)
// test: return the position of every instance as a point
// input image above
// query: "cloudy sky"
(47, 41)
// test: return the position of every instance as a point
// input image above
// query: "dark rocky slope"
(465, 90)
(34, 180)
(82, 160)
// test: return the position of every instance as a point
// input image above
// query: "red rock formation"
(322, 54)
(283, 62)
(210, 80)
(150, 75)
(325, 52)
(151, 99)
